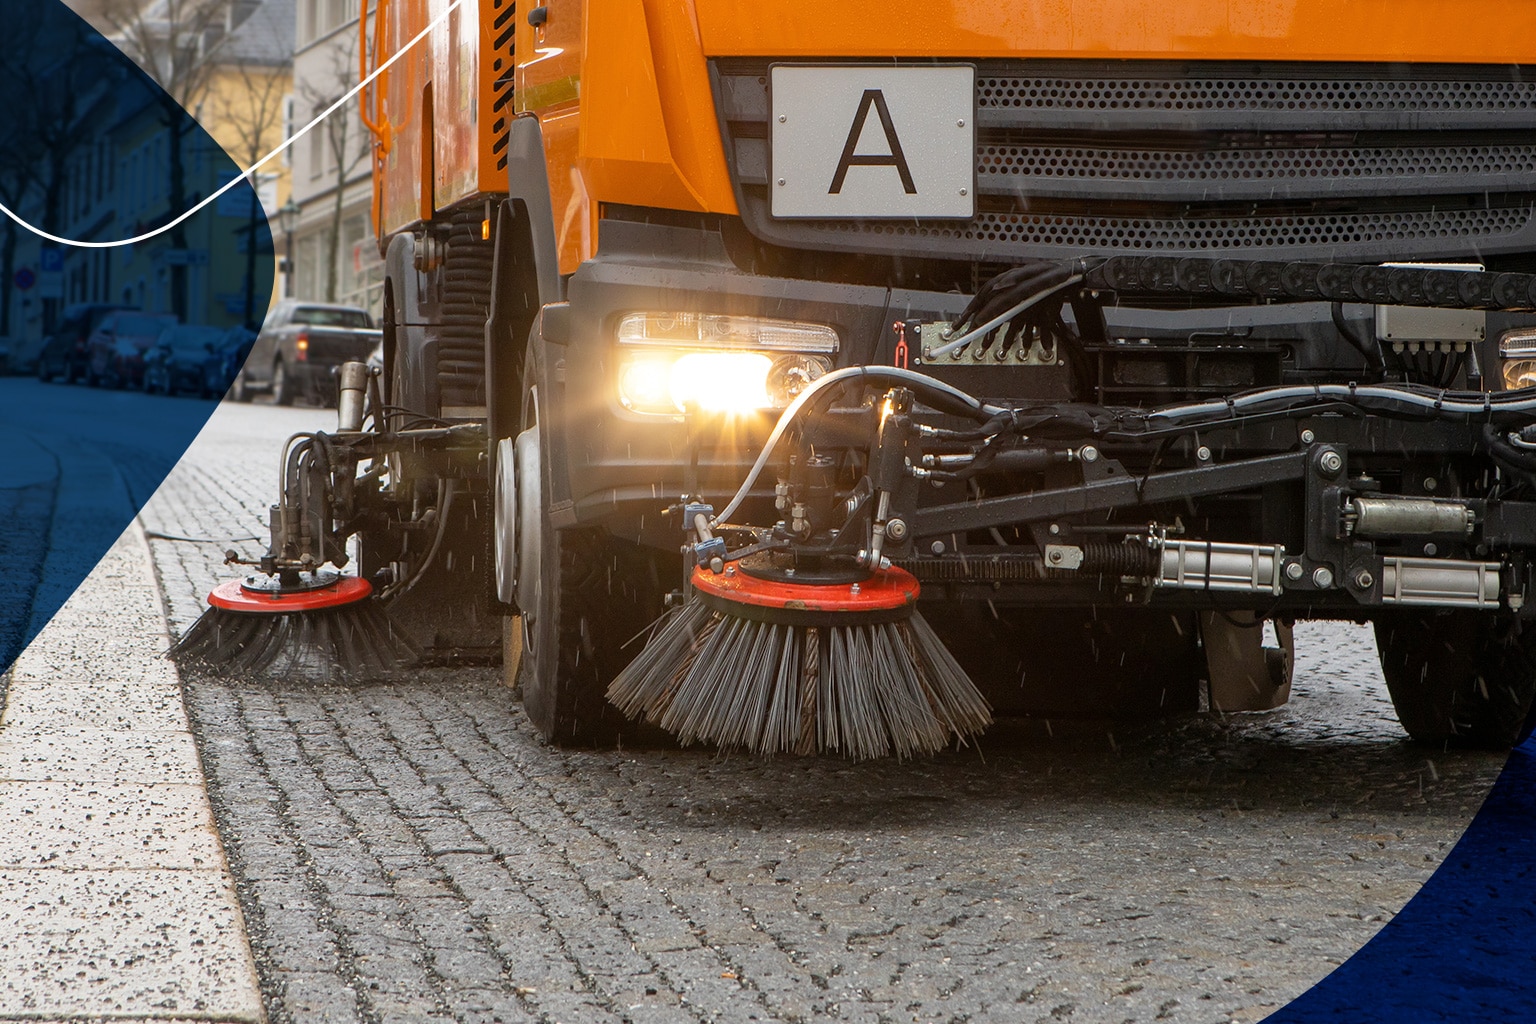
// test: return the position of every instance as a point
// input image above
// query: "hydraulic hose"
(1045, 292)
(936, 393)
(1387, 398)
(1374, 360)
(1399, 400)
(1506, 454)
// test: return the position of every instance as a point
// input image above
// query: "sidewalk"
(115, 898)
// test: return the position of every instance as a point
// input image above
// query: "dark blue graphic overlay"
(1464, 948)
(113, 358)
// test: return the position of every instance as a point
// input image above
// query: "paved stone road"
(413, 852)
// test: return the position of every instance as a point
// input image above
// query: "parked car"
(301, 344)
(221, 370)
(65, 353)
(115, 350)
(24, 354)
(174, 364)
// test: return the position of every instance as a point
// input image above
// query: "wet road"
(413, 852)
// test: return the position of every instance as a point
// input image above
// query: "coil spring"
(1099, 558)
(1127, 559)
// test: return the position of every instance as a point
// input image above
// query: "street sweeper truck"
(837, 377)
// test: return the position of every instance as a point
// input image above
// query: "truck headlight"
(711, 330)
(733, 364)
(1517, 358)
(666, 383)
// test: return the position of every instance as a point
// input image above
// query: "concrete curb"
(116, 900)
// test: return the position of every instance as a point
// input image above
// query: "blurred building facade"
(115, 178)
(335, 257)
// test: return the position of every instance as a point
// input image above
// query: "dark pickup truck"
(300, 345)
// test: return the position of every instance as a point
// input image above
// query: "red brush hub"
(887, 596)
(267, 596)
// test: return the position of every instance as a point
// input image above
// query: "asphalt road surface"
(413, 852)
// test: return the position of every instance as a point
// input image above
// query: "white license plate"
(871, 141)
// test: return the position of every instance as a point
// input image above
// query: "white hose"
(295, 137)
(817, 386)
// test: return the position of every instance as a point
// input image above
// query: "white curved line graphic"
(295, 137)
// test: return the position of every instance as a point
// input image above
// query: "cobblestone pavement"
(413, 852)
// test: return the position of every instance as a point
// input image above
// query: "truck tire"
(595, 592)
(1459, 678)
(585, 610)
(239, 391)
(282, 385)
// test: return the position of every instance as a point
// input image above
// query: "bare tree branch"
(46, 94)
(347, 145)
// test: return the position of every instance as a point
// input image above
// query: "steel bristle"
(345, 644)
(861, 691)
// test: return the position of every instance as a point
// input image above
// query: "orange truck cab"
(622, 237)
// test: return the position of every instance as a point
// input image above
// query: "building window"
(309, 279)
(309, 26)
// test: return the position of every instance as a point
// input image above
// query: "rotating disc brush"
(753, 660)
(319, 626)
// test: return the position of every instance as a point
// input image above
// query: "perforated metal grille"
(1252, 165)
(1230, 93)
(994, 231)
(1287, 159)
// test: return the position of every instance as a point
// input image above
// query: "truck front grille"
(1293, 161)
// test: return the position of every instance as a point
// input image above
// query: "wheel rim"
(529, 527)
(279, 381)
(505, 550)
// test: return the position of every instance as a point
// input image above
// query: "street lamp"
(287, 216)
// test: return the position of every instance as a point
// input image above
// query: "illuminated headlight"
(670, 362)
(1517, 358)
(710, 330)
(668, 383)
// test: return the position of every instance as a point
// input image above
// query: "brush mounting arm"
(335, 485)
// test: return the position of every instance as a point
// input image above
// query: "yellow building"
(240, 99)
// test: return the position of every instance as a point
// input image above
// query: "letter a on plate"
(872, 142)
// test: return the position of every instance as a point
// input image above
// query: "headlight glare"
(645, 384)
(668, 383)
(721, 381)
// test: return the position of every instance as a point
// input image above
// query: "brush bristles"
(862, 691)
(334, 644)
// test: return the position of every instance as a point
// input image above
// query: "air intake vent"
(1280, 160)
(1204, 93)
